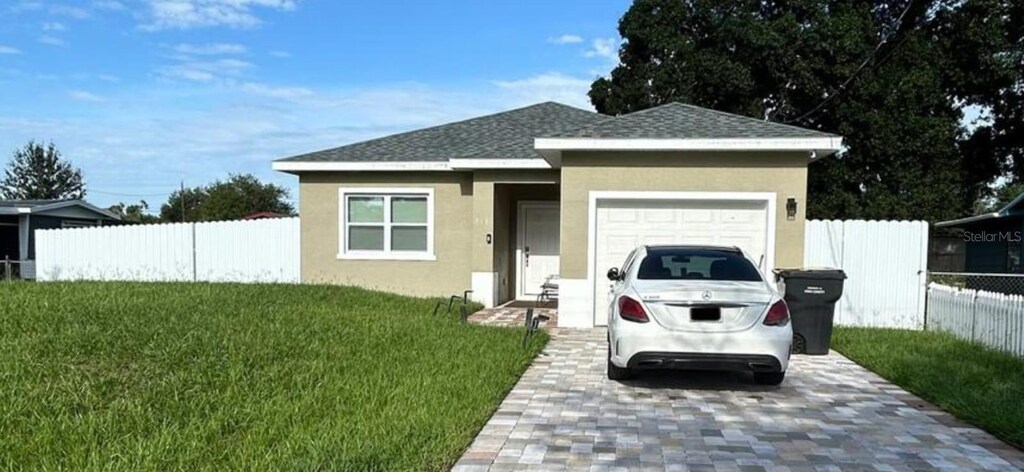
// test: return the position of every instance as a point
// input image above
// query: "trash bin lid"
(820, 273)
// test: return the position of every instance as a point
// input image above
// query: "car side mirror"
(613, 274)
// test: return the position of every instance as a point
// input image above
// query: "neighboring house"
(263, 215)
(994, 240)
(19, 219)
(501, 203)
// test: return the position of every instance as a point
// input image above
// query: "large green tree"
(38, 172)
(238, 196)
(893, 77)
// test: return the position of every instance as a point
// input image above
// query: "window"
(697, 264)
(67, 224)
(387, 224)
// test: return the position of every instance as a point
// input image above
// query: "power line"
(89, 190)
(867, 60)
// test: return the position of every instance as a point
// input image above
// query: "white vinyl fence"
(993, 319)
(224, 251)
(886, 266)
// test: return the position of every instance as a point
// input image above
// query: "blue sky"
(141, 94)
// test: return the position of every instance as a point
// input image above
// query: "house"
(502, 203)
(19, 219)
(993, 241)
(263, 215)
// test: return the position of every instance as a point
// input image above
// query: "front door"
(536, 247)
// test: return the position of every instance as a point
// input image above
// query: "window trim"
(387, 254)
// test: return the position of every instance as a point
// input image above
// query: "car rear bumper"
(704, 361)
(761, 345)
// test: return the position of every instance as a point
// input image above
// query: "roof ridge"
(764, 121)
(645, 110)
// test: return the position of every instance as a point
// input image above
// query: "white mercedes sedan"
(696, 307)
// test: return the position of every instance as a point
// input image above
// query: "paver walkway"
(829, 415)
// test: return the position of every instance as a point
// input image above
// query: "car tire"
(615, 372)
(769, 378)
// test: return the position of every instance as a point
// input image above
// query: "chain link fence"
(1009, 284)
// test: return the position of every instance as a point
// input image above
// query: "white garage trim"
(769, 198)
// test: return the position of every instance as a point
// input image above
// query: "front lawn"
(978, 385)
(125, 376)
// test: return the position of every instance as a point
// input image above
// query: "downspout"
(24, 245)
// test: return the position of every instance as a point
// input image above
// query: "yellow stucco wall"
(468, 206)
(453, 222)
(583, 172)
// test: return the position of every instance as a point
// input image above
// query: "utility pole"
(182, 200)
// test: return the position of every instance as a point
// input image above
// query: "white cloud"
(607, 48)
(86, 76)
(111, 5)
(75, 12)
(550, 86)
(204, 71)
(9, 50)
(275, 92)
(83, 96)
(566, 39)
(212, 49)
(52, 40)
(54, 26)
(186, 14)
(280, 54)
(239, 126)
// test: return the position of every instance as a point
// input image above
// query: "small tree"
(184, 205)
(238, 196)
(40, 173)
(242, 195)
(134, 213)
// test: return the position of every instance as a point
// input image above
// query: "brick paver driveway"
(829, 415)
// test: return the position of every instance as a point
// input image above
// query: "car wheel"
(769, 378)
(615, 372)
(799, 344)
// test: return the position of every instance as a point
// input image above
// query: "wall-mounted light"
(488, 238)
(791, 208)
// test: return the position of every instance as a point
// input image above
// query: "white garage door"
(625, 224)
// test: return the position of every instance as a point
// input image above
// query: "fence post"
(195, 270)
(974, 313)
(7, 268)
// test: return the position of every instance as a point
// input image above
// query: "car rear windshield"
(697, 264)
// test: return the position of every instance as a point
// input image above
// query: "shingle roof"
(681, 121)
(511, 134)
(30, 203)
(505, 135)
(14, 207)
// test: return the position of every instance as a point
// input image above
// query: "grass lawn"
(976, 384)
(124, 376)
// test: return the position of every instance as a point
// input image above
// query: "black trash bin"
(811, 295)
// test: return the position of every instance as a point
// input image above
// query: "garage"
(623, 222)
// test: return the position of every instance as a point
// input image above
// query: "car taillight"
(631, 310)
(778, 314)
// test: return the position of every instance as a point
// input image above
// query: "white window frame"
(387, 193)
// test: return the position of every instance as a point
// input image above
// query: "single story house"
(502, 203)
(993, 241)
(19, 219)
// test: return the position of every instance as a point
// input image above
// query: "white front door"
(625, 224)
(536, 247)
